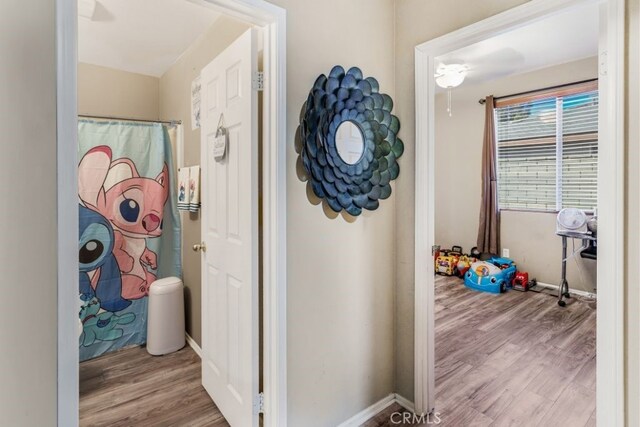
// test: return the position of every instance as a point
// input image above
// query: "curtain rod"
(482, 101)
(126, 119)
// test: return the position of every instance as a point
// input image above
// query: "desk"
(587, 240)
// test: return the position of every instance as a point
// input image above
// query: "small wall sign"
(220, 141)
(219, 146)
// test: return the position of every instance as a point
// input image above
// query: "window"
(548, 149)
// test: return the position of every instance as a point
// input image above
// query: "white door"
(230, 337)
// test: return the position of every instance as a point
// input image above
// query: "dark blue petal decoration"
(349, 96)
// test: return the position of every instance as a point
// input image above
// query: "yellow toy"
(445, 264)
(447, 261)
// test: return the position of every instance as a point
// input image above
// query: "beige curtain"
(489, 227)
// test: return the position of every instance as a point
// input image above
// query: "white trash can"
(165, 322)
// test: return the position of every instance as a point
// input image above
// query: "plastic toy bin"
(165, 323)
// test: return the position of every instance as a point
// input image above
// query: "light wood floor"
(132, 388)
(515, 359)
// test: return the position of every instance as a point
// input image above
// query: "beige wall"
(175, 104)
(340, 275)
(114, 93)
(341, 303)
(529, 236)
(418, 21)
(28, 261)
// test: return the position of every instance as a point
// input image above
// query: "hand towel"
(183, 188)
(194, 189)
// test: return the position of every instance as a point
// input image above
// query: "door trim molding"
(273, 20)
(610, 329)
(67, 199)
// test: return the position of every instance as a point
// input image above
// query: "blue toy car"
(494, 275)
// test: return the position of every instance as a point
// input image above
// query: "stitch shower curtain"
(129, 229)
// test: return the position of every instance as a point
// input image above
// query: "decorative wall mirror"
(349, 144)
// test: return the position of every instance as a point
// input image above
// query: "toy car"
(447, 261)
(494, 276)
(521, 281)
(445, 264)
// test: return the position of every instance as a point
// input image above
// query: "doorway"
(609, 394)
(271, 20)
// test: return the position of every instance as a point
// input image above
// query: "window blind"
(548, 152)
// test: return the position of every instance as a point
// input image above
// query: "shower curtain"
(129, 229)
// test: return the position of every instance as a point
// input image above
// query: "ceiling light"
(449, 76)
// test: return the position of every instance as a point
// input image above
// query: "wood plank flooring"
(132, 388)
(515, 359)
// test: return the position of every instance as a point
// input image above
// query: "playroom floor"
(515, 359)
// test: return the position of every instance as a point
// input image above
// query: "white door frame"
(273, 21)
(610, 311)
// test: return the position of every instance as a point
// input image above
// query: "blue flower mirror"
(348, 141)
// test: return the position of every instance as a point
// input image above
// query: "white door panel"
(230, 335)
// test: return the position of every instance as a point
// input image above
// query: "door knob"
(200, 247)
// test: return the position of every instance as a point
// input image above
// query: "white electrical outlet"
(505, 253)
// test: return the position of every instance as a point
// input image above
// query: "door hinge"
(258, 81)
(259, 404)
(603, 64)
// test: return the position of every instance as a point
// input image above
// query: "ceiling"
(559, 39)
(140, 36)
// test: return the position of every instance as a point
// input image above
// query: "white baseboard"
(359, 418)
(573, 291)
(405, 403)
(373, 410)
(367, 413)
(194, 345)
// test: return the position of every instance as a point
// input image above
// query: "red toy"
(521, 281)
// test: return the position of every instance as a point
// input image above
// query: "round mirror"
(349, 142)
